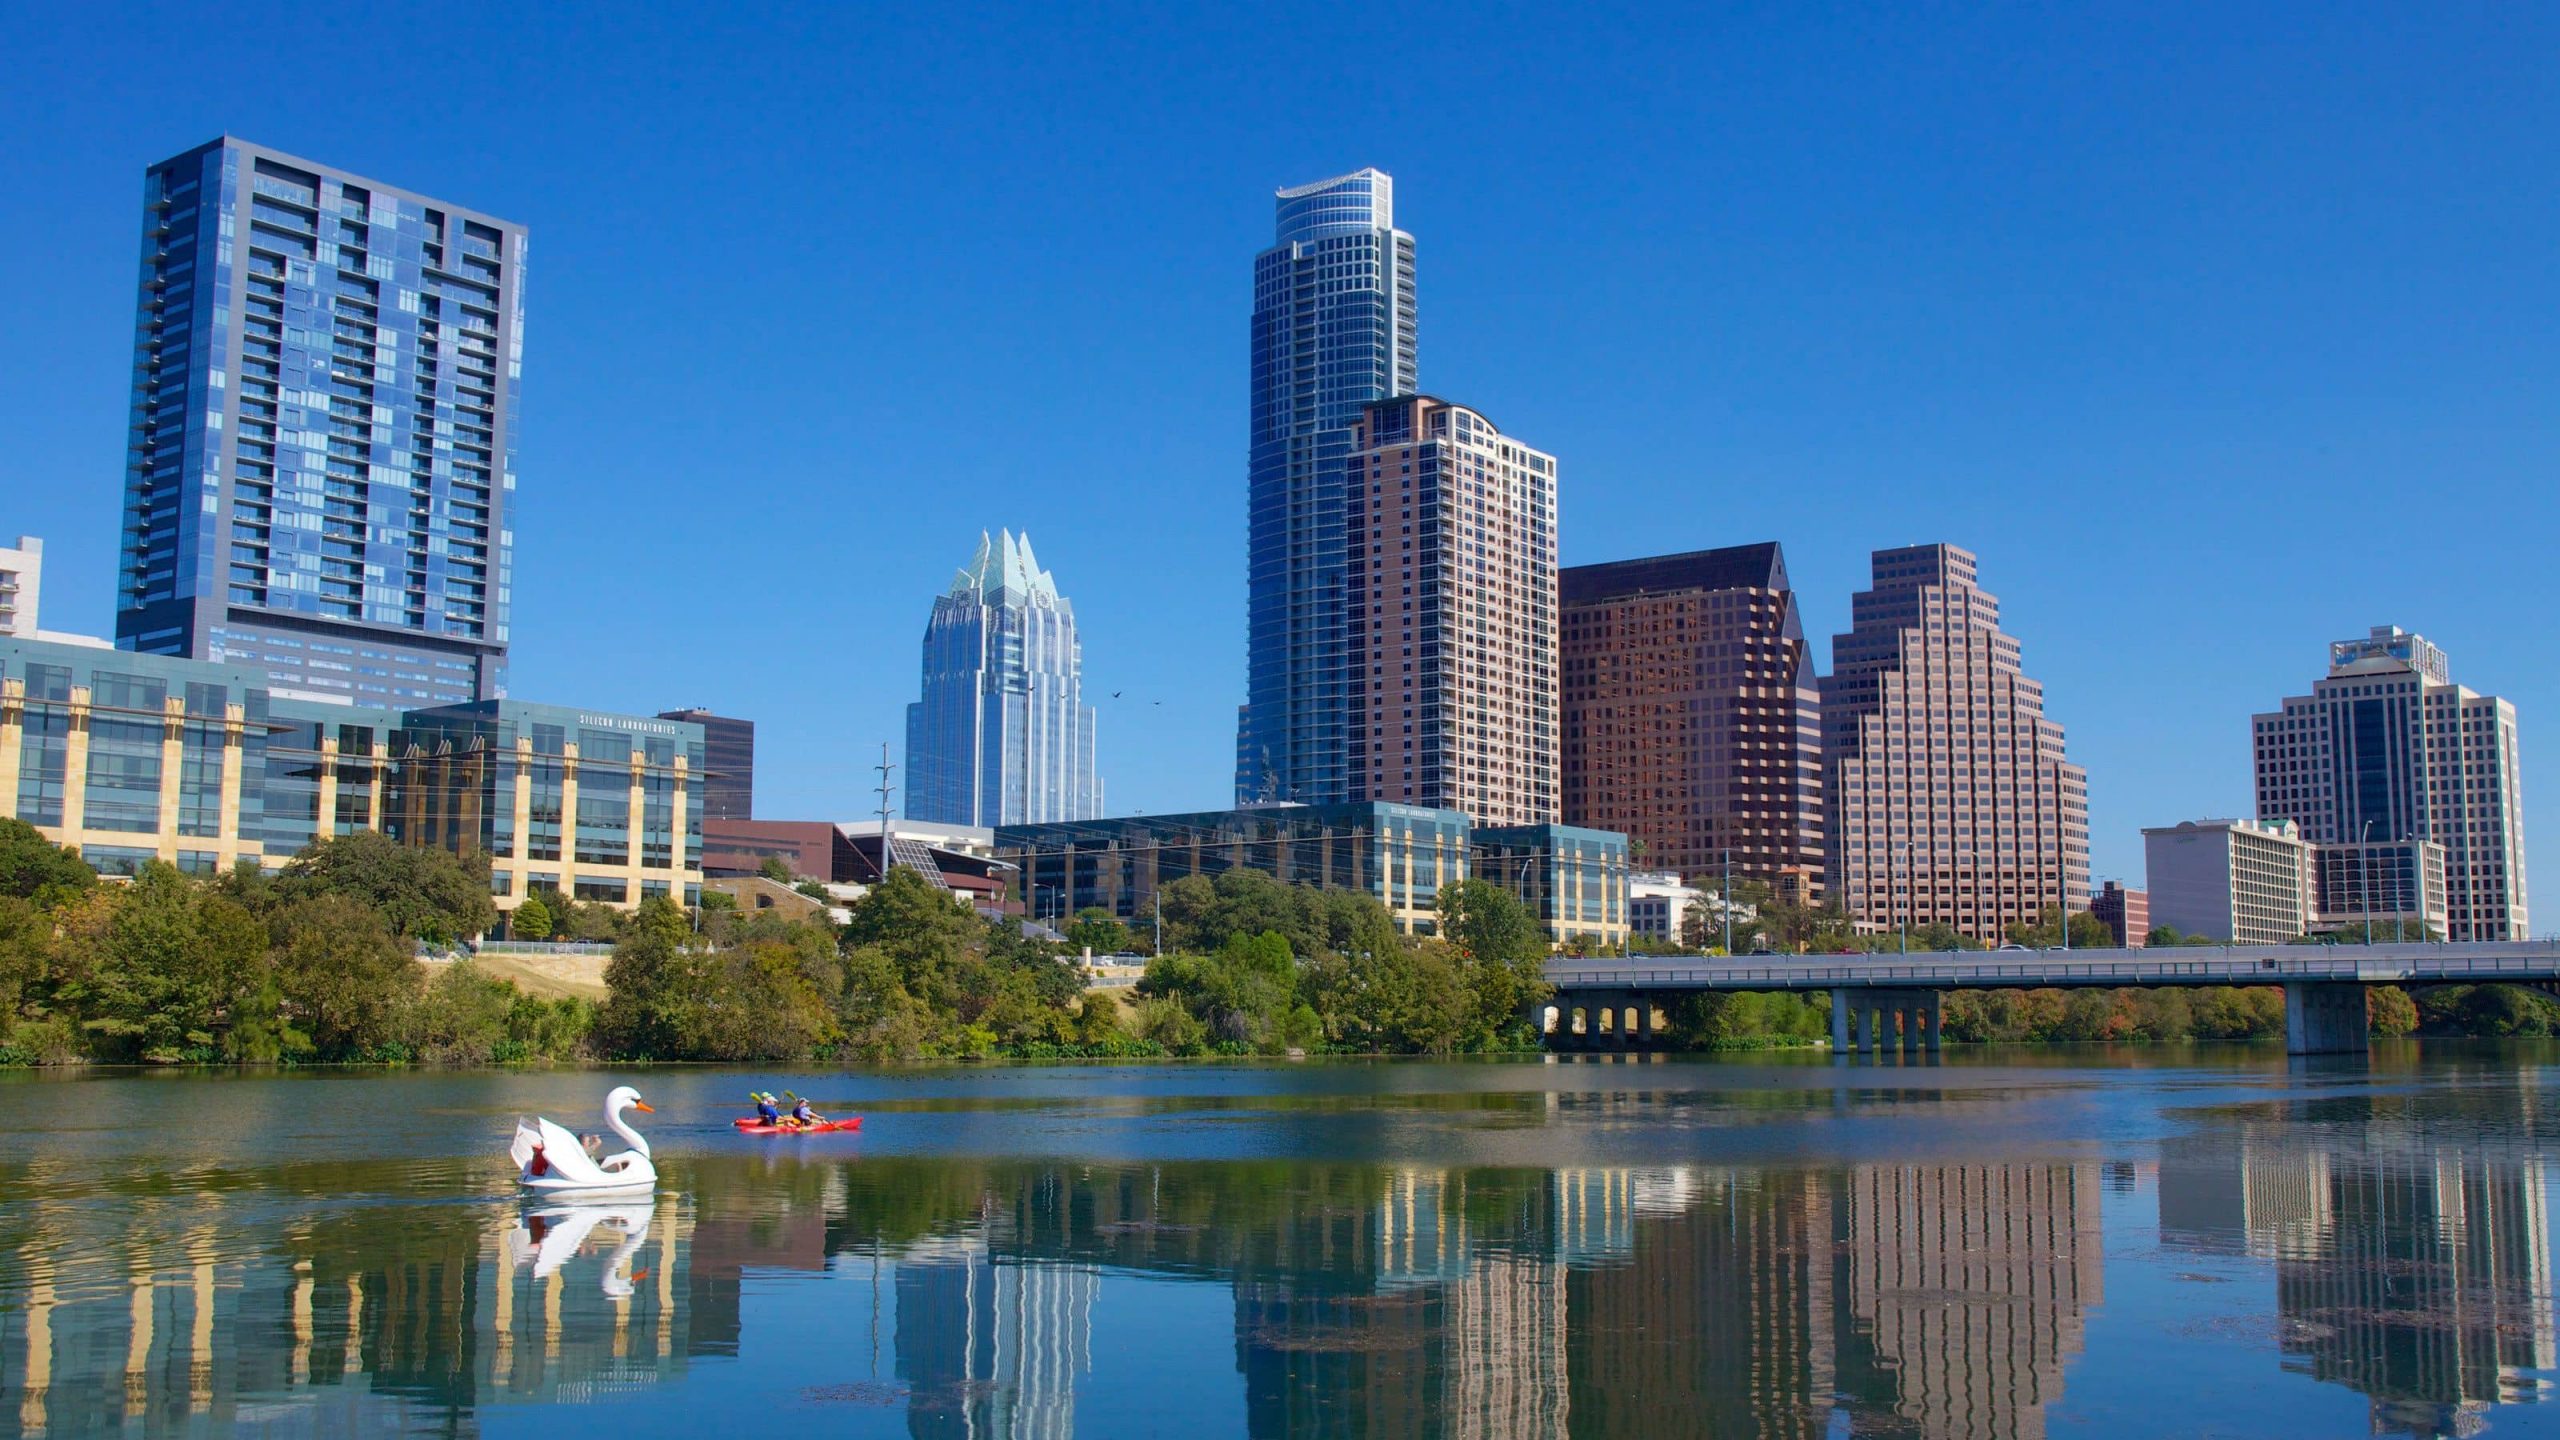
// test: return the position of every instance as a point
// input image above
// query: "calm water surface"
(2057, 1243)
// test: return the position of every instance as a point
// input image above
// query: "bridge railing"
(2381, 964)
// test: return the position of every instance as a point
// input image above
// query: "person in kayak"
(767, 1111)
(802, 1115)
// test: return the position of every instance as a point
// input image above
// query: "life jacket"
(541, 1165)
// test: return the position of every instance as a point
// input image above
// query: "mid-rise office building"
(1950, 799)
(321, 462)
(2245, 881)
(2387, 748)
(21, 587)
(129, 758)
(1001, 735)
(1452, 615)
(1334, 326)
(1692, 718)
(2125, 913)
(729, 747)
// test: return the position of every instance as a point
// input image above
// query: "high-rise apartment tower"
(1692, 718)
(322, 448)
(1452, 615)
(1950, 800)
(1001, 735)
(2387, 748)
(1334, 326)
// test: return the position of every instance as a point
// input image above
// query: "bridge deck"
(2422, 964)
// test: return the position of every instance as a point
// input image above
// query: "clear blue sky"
(2219, 331)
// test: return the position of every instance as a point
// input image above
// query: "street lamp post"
(2062, 858)
(2364, 875)
(1728, 904)
(1893, 884)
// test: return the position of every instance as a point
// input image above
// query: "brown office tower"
(1452, 609)
(1691, 720)
(1950, 800)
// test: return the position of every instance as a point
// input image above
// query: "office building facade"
(2387, 748)
(1334, 329)
(1452, 615)
(2244, 881)
(729, 747)
(1001, 734)
(321, 458)
(1692, 718)
(1949, 795)
(2125, 913)
(130, 758)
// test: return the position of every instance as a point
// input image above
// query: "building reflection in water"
(2411, 1264)
(1916, 1300)
(343, 1322)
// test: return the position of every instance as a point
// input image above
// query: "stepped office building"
(1453, 615)
(1951, 801)
(1692, 720)
(1334, 324)
(322, 446)
(2386, 748)
(1001, 735)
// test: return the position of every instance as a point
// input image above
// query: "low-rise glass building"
(1574, 879)
(129, 758)
(1571, 878)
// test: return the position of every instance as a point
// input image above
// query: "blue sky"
(2219, 332)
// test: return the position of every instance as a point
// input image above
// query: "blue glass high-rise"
(1334, 325)
(1001, 735)
(323, 434)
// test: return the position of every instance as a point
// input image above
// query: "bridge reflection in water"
(1919, 1299)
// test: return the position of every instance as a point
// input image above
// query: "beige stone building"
(1951, 800)
(1452, 611)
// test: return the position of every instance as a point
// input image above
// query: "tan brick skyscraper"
(1950, 798)
(1691, 718)
(1452, 607)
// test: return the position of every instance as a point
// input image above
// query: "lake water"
(2066, 1242)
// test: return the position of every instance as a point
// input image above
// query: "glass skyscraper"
(323, 436)
(1334, 323)
(1002, 735)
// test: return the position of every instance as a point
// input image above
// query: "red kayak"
(758, 1127)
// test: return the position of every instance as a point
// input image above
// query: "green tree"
(1501, 953)
(35, 869)
(530, 920)
(776, 869)
(346, 978)
(151, 970)
(2088, 932)
(420, 893)
(1095, 929)
(654, 1009)
(2389, 1010)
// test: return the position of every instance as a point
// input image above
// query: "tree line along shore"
(319, 962)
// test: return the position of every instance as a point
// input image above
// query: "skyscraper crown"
(1004, 573)
(1349, 204)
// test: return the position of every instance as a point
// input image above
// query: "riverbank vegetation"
(351, 953)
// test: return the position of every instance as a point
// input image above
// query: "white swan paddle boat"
(552, 1160)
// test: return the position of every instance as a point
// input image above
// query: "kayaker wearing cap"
(767, 1110)
(802, 1115)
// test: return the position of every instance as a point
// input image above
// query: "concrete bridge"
(1890, 1000)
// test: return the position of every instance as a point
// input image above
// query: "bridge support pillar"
(1866, 1020)
(2325, 1018)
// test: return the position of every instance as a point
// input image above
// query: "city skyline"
(2334, 430)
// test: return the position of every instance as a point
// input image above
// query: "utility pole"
(884, 767)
